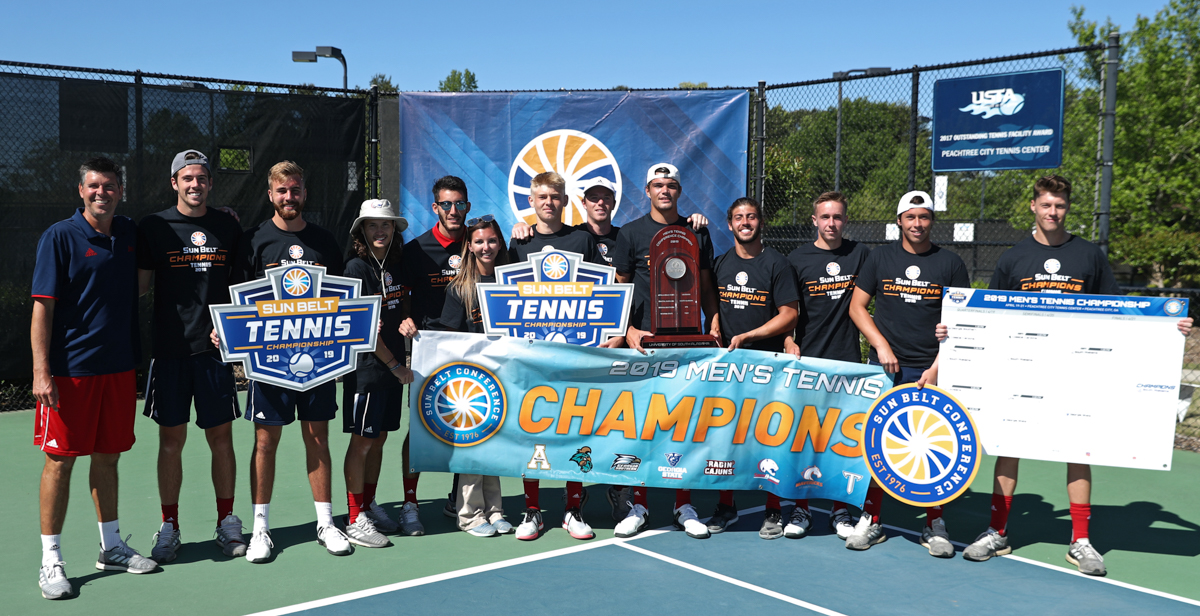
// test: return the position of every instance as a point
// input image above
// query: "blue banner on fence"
(680, 418)
(497, 142)
(1008, 121)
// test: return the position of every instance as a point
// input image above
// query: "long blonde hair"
(464, 283)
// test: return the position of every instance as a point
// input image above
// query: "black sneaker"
(722, 518)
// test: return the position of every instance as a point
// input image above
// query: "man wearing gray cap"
(188, 251)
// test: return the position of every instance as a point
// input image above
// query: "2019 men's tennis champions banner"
(680, 418)
(497, 142)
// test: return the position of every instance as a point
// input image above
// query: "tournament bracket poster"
(496, 142)
(994, 122)
(675, 418)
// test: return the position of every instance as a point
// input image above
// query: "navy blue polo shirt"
(93, 279)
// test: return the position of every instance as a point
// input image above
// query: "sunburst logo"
(462, 404)
(555, 266)
(199, 239)
(296, 282)
(576, 156)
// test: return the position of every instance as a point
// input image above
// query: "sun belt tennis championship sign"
(556, 296)
(297, 327)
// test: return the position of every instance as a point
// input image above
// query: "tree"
(459, 82)
(620, 88)
(688, 85)
(383, 82)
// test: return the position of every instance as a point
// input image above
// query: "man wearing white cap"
(373, 395)
(906, 279)
(188, 250)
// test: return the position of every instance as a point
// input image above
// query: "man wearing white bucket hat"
(906, 279)
(373, 395)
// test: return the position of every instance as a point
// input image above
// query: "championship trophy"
(676, 319)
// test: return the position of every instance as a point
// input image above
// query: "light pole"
(837, 148)
(323, 52)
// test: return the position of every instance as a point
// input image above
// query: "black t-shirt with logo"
(1075, 266)
(605, 244)
(428, 268)
(567, 238)
(750, 293)
(192, 259)
(372, 373)
(908, 297)
(826, 280)
(454, 314)
(267, 246)
(632, 256)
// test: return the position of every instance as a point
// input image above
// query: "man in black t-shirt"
(906, 279)
(759, 306)
(1052, 260)
(599, 201)
(284, 239)
(189, 251)
(631, 258)
(548, 197)
(826, 271)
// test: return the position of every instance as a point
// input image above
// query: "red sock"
(931, 514)
(531, 494)
(682, 497)
(639, 497)
(874, 503)
(837, 505)
(410, 489)
(355, 502)
(574, 494)
(801, 503)
(1001, 505)
(773, 502)
(224, 508)
(726, 497)
(369, 493)
(1080, 514)
(171, 514)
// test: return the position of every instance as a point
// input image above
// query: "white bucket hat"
(379, 209)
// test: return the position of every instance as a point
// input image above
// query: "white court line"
(729, 580)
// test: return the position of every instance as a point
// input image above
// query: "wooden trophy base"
(671, 341)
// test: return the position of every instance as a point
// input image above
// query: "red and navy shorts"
(95, 415)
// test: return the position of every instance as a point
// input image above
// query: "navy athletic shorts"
(173, 384)
(367, 414)
(271, 405)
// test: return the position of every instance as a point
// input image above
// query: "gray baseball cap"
(180, 162)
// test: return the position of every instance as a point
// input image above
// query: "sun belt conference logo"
(463, 404)
(295, 251)
(576, 156)
(912, 273)
(957, 297)
(556, 296)
(741, 278)
(833, 268)
(921, 445)
(1002, 101)
(454, 262)
(297, 327)
(1052, 266)
(199, 239)
(1173, 307)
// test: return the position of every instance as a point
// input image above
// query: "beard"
(753, 238)
(289, 215)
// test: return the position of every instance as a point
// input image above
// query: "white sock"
(51, 553)
(324, 514)
(110, 535)
(262, 517)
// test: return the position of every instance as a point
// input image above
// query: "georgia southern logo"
(199, 239)
(463, 404)
(583, 457)
(767, 469)
(626, 462)
(1002, 101)
(921, 445)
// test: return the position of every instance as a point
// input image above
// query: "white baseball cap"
(906, 202)
(379, 209)
(591, 183)
(663, 170)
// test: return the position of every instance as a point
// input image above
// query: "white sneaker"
(380, 518)
(502, 526)
(334, 540)
(798, 524)
(483, 530)
(841, 523)
(166, 543)
(53, 581)
(633, 523)
(531, 525)
(410, 520)
(686, 519)
(575, 526)
(363, 532)
(229, 536)
(260, 547)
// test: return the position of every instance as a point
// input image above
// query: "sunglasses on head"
(484, 218)
(462, 206)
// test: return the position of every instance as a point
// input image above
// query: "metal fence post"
(912, 129)
(1109, 116)
(373, 144)
(760, 154)
(136, 180)
(837, 147)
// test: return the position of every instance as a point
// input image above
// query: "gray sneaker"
(229, 537)
(502, 526)
(166, 543)
(410, 520)
(380, 518)
(772, 526)
(53, 581)
(989, 543)
(866, 534)
(483, 530)
(841, 523)
(450, 510)
(937, 539)
(124, 558)
(722, 518)
(1083, 555)
(619, 499)
(363, 532)
(798, 523)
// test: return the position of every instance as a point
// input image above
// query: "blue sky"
(538, 44)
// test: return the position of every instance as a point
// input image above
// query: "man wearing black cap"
(188, 250)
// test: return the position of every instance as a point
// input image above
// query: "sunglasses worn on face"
(462, 206)
(484, 218)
